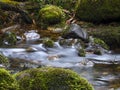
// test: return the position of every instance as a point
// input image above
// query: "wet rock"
(31, 35)
(75, 31)
(31, 49)
(54, 57)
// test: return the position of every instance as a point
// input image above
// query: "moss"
(4, 60)
(50, 14)
(52, 79)
(48, 42)
(101, 43)
(81, 52)
(7, 82)
(98, 10)
(8, 38)
(9, 2)
(97, 52)
(109, 34)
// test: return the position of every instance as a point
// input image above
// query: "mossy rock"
(51, 14)
(51, 79)
(7, 82)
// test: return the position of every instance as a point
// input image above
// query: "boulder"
(76, 32)
(51, 79)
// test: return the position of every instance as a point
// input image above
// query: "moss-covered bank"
(98, 10)
(109, 34)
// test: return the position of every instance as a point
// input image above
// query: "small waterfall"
(58, 45)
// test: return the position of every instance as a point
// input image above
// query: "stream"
(100, 70)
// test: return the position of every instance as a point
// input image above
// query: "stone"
(76, 32)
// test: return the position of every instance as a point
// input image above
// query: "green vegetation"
(4, 60)
(101, 43)
(66, 4)
(9, 2)
(109, 34)
(51, 15)
(7, 82)
(51, 79)
(98, 10)
(8, 38)
(48, 42)
(81, 52)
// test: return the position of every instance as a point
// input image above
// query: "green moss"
(109, 34)
(8, 38)
(81, 52)
(52, 79)
(51, 14)
(9, 2)
(98, 10)
(48, 42)
(101, 43)
(7, 82)
(4, 60)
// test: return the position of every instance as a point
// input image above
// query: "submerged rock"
(75, 31)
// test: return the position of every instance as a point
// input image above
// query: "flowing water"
(100, 70)
(103, 71)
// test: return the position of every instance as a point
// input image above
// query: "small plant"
(94, 11)
(101, 43)
(81, 52)
(48, 43)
